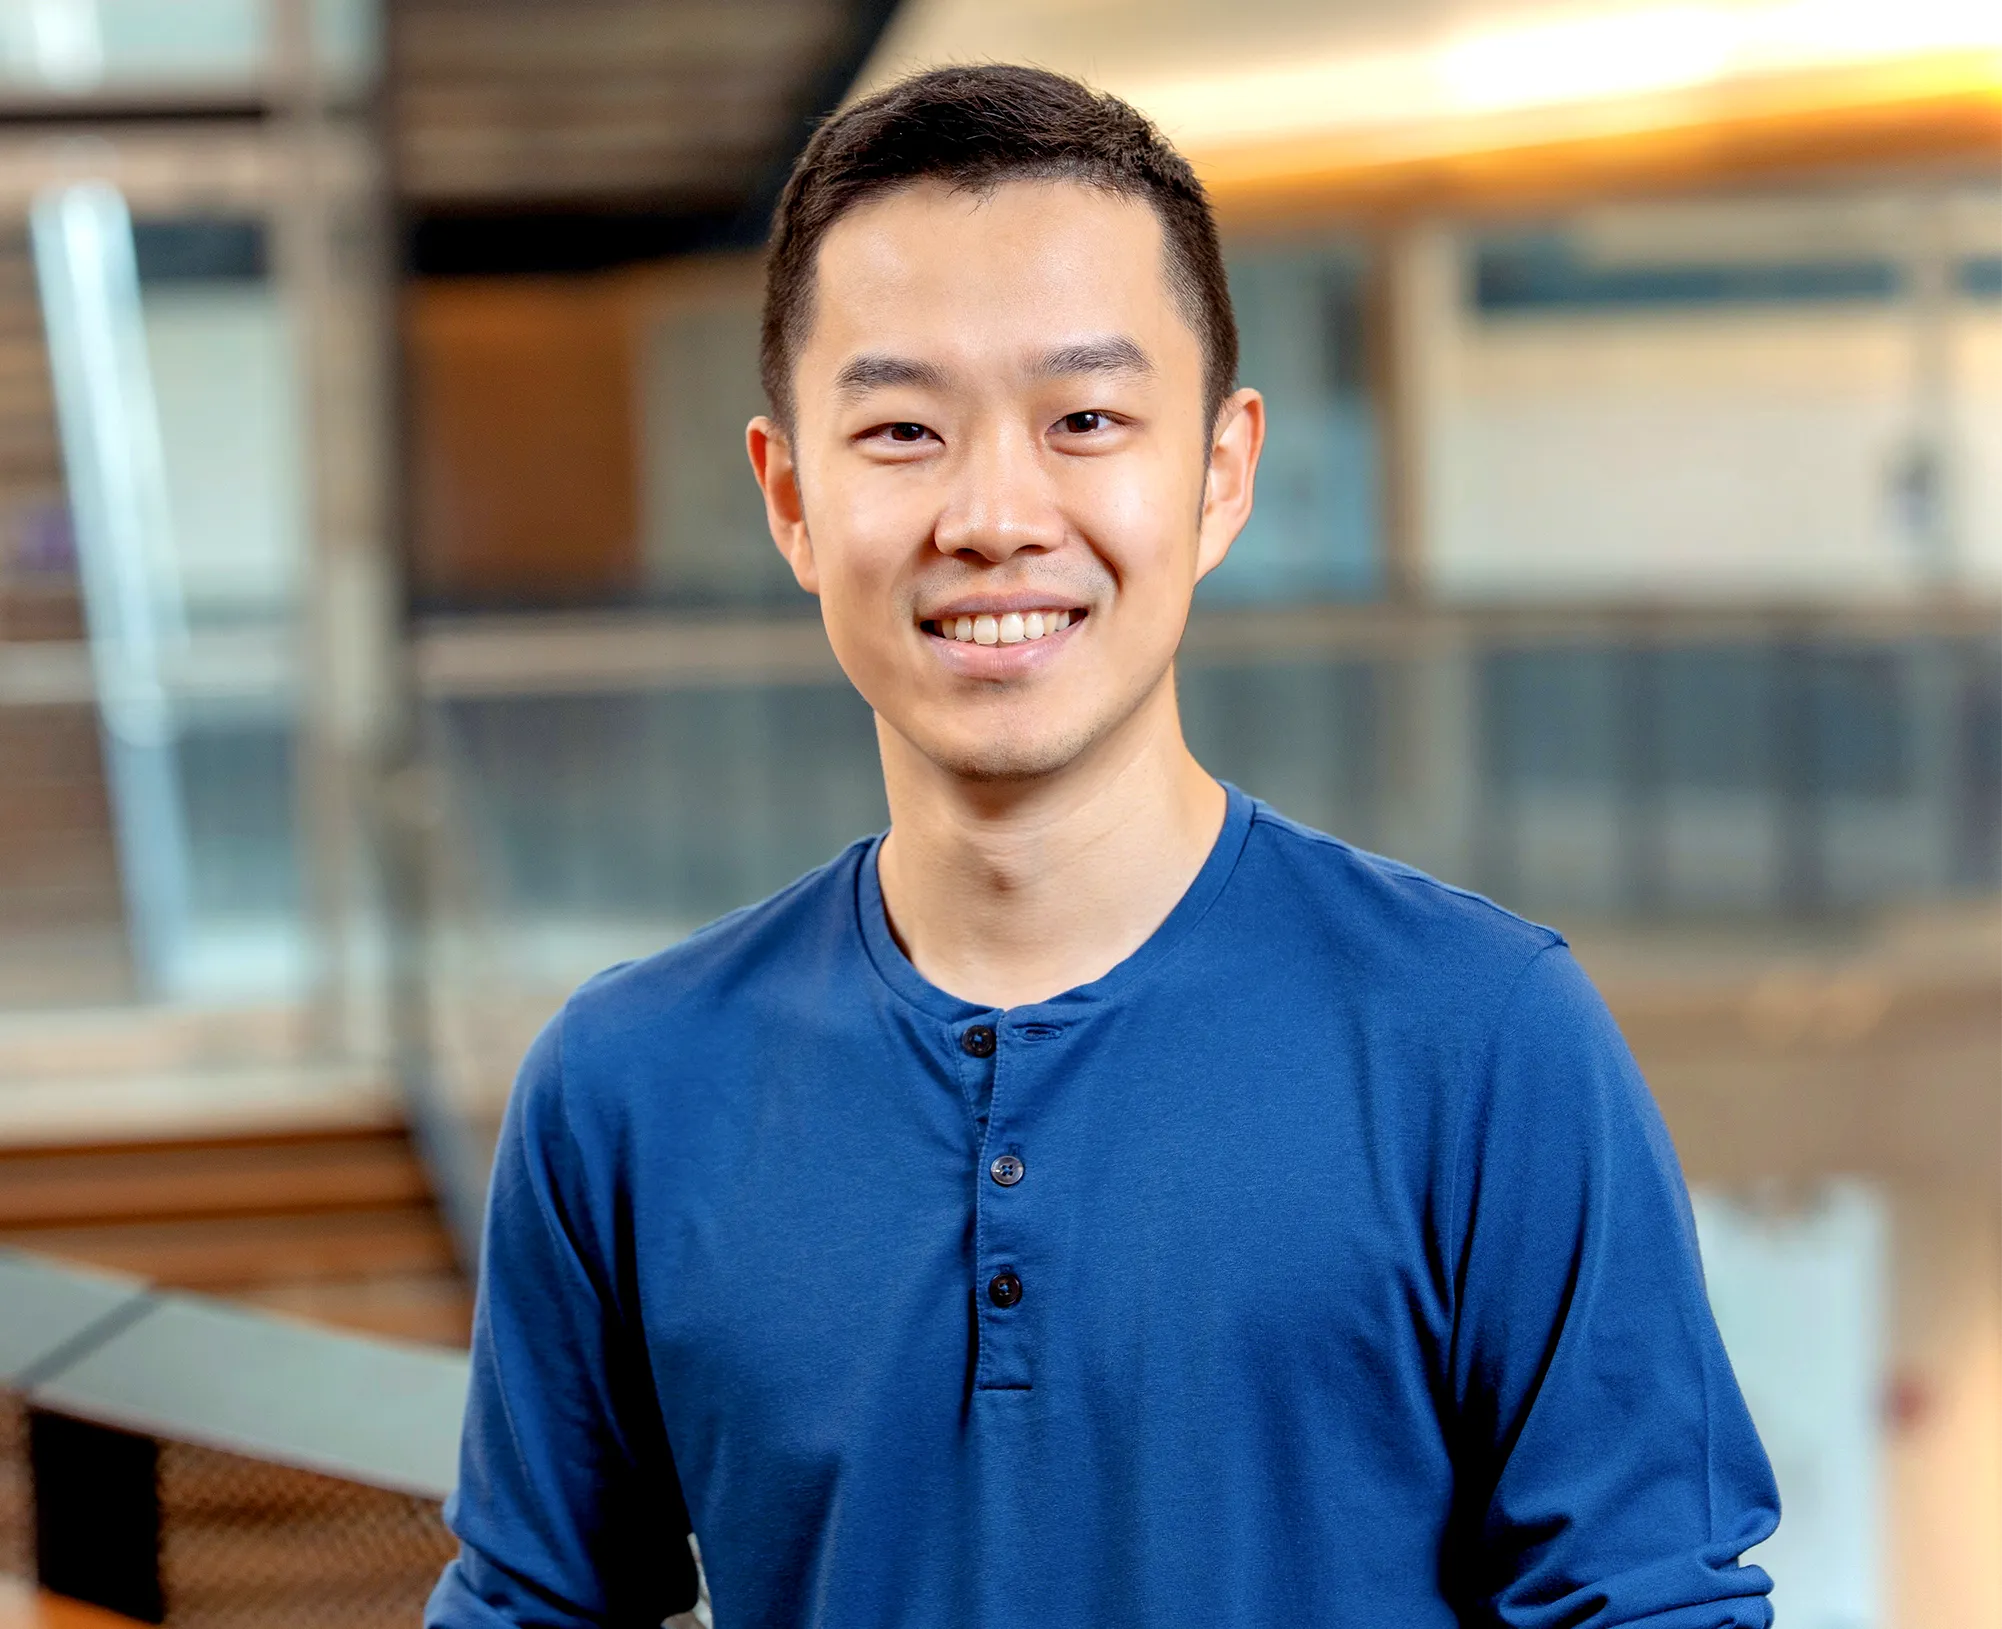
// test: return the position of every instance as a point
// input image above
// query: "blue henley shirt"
(1325, 1263)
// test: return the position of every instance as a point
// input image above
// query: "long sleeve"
(1607, 1471)
(568, 1511)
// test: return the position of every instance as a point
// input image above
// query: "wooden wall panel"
(525, 482)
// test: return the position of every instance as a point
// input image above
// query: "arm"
(568, 1511)
(1608, 1470)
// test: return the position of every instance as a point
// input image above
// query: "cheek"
(864, 527)
(1144, 530)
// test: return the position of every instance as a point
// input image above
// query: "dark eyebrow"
(1117, 354)
(862, 374)
(876, 371)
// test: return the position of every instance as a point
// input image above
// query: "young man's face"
(1001, 482)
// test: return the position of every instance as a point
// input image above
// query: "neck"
(1010, 893)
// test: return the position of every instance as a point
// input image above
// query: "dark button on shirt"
(1006, 1170)
(1004, 1289)
(1420, 1339)
(978, 1042)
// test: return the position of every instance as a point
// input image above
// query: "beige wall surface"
(1944, 1465)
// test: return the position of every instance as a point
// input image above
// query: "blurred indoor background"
(389, 637)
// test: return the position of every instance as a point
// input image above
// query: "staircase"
(337, 1226)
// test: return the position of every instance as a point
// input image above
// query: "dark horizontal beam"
(232, 104)
(557, 240)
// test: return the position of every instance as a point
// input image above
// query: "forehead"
(1020, 264)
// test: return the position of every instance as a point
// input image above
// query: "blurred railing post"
(1642, 784)
(1432, 807)
(411, 814)
(1798, 751)
(1977, 826)
(333, 258)
(1412, 311)
(1937, 767)
(97, 1514)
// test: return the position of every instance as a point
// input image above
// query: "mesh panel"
(245, 1545)
(17, 1538)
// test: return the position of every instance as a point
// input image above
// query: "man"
(1098, 1201)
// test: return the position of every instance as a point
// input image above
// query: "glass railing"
(1782, 777)
(1774, 837)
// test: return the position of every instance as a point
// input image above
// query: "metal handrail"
(569, 652)
(572, 653)
(115, 1352)
(114, 1363)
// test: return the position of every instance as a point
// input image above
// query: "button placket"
(1007, 1305)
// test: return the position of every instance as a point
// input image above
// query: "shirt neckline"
(886, 956)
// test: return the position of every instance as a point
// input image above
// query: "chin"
(1012, 756)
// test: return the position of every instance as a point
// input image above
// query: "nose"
(1001, 502)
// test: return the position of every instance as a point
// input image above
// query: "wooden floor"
(337, 1226)
(22, 1606)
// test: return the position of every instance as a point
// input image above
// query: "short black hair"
(976, 128)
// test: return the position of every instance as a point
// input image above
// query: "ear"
(1235, 443)
(785, 514)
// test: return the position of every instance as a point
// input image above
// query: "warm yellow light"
(1630, 52)
(1576, 59)
(1548, 58)
(1866, 30)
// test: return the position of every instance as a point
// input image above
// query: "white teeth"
(1009, 628)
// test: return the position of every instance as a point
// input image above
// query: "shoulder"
(768, 947)
(637, 1023)
(1387, 925)
(1491, 1007)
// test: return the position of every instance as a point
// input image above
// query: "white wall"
(1697, 452)
(225, 378)
(1800, 1298)
(1709, 452)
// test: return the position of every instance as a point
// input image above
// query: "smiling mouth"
(1009, 628)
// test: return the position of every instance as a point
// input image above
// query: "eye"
(905, 435)
(1082, 424)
